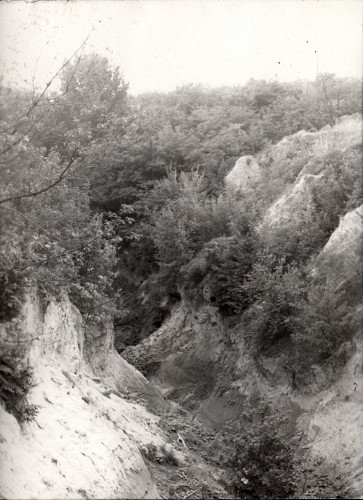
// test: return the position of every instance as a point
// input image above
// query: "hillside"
(86, 440)
(209, 362)
(180, 290)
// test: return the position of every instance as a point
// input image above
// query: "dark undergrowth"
(17, 380)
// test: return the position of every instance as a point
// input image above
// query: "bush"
(322, 322)
(226, 261)
(315, 315)
(17, 380)
(229, 274)
(299, 245)
(340, 189)
(181, 228)
(262, 462)
(265, 459)
(65, 249)
(278, 289)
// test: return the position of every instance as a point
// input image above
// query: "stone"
(244, 175)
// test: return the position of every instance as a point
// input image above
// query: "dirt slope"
(93, 436)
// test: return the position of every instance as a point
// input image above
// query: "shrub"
(17, 380)
(192, 276)
(322, 322)
(278, 288)
(298, 245)
(339, 190)
(181, 228)
(266, 460)
(262, 462)
(229, 267)
(226, 260)
(316, 315)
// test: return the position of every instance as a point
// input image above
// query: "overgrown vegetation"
(16, 381)
(212, 241)
(263, 463)
(48, 144)
(262, 455)
(119, 201)
(91, 174)
(267, 463)
(210, 128)
(202, 241)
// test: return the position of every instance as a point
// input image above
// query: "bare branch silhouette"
(43, 190)
(41, 96)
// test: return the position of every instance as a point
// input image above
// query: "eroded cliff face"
(335, 424)
(200, 361)
(244, 175)
(335, 430)
(342, 252)
(292, 170)
(304, 146)
(85, 441)
(294, 206)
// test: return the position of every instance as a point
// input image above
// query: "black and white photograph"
(181, 233)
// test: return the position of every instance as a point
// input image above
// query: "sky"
(162, 44)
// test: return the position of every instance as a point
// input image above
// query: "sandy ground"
(83, 443)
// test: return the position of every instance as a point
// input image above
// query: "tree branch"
(33, 223)
(67, 252)
(43, 190)
(11, 159)
(35, 102)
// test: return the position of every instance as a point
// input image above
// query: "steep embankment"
(295, 155)
(335, 430)
(245, 174)
(85, 441)
(204, 362)
(93, 436)
(293, 206)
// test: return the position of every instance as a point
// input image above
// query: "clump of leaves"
(262, 462)
(17, 379)
(279, 289)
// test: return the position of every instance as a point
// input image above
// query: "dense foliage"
(49, 233)
(119, 200)
(262, 462)
(195, 127)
